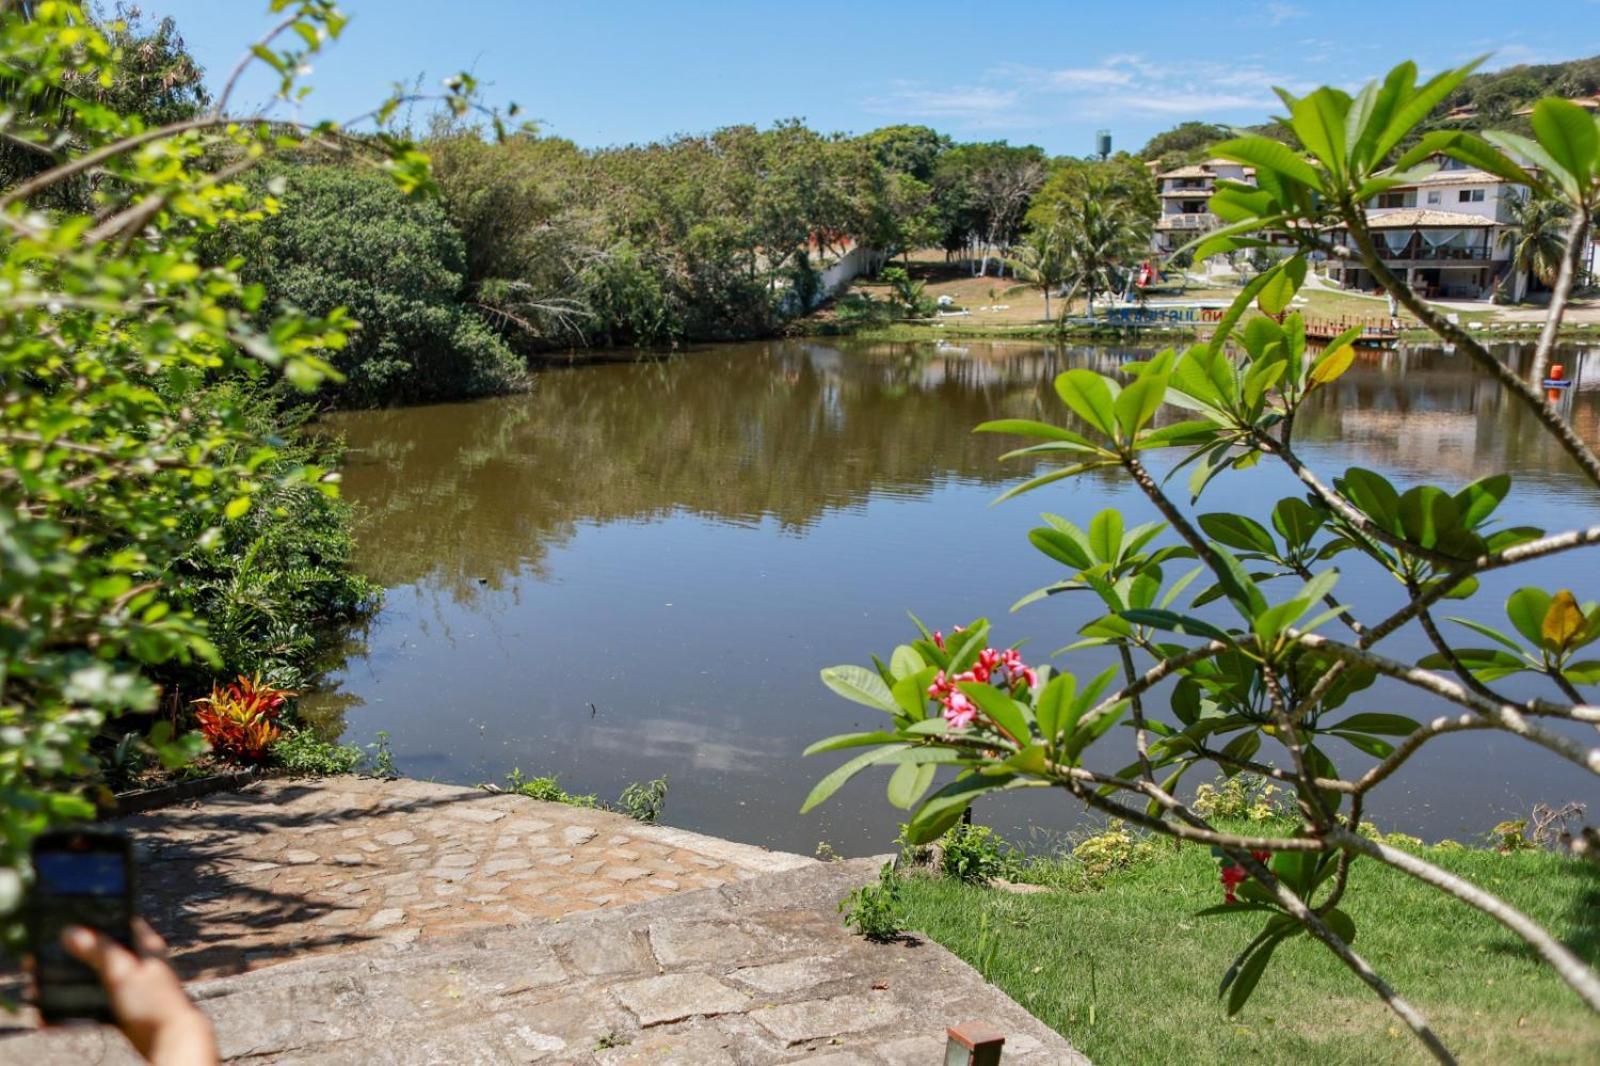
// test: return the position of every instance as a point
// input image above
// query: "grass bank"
(1119, 965)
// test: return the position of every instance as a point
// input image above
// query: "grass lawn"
(1128, 974)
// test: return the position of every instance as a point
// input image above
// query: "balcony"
(1420, 252)
(1200, 221)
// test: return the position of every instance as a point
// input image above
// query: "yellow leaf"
(1563, 620)
(237, 507)
(1333, 364)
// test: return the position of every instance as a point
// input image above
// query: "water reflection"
(638, 568)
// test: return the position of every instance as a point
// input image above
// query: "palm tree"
(1042, 259)
(1101, 242)
(1537, 236)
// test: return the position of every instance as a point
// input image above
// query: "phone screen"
(80, 878)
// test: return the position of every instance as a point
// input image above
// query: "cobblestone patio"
(284, 868)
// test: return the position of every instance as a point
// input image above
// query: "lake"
(638, 568)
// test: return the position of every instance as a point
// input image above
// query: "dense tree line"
(534, 245)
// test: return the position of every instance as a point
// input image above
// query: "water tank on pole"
(1102, 143)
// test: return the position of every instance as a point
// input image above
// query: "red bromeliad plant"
(1248, 667)
(241, 719)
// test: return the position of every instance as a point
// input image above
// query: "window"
(1433, 196)
(1471, 196)
(1392, 199)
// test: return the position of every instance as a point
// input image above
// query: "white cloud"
(1122, 84)
(974, 105)
(1279, 13)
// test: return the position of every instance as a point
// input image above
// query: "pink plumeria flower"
(959, 712)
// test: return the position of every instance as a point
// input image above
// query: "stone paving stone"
(240, 880)
(522, 994)
(674, 997)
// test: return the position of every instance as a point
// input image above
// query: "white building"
(1444, 234)
(1184, 192)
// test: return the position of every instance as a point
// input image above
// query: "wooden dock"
(1376, 332)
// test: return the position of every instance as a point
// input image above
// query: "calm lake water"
(637, 569)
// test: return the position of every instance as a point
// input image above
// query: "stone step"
(756, 972)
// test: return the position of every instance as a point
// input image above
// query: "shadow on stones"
(192, 882)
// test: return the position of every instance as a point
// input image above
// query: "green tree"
(344, 237)
(1044, 261)
(1100, 244)
(1186, 142)
(1538, 236)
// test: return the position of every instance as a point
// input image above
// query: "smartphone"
(81, 877)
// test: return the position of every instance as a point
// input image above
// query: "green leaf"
(861, 685)
(1028, 428)
(1478, 500)
(905, 661)
(1318, 119)
(1005, 712)
(1240, 305)
(1296, 521)
(1052, 704)
(1237, 585)
(850, 740)
(1429, 517)
(1266, 154)
(236, 507)
(1569, 134)
(1105, 535)
(1527, 609)
(1046, 479)
(1490, 632)
(833, 781)
(1586, 672)
(1275, 295)
(940, 811)
(911, 692)
(1091, 398)
(1343, 926)
(1417, 106)
(908, 782)
(1061, 547)
(1394, 725)
(1378, 749)
(1239, 532)
(1372, 495)
(1175, 623)
(1250, 974)
(1180, 434)
(1138, 403)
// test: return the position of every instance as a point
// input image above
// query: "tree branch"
(1541, 408)
(1579, 976)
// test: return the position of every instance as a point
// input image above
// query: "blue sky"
(605, 72)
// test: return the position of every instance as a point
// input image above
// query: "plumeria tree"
(1264, 657)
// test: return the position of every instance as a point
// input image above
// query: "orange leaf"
(1562, 621)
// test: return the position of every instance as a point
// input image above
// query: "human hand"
(147, 998)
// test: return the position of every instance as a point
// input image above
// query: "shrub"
(301, 751)
(645, 801)
(975, 853)
(240, 719)
(874, 911)
(1243, 797)
(545, 789)
(1111, 850)
(273, 585)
